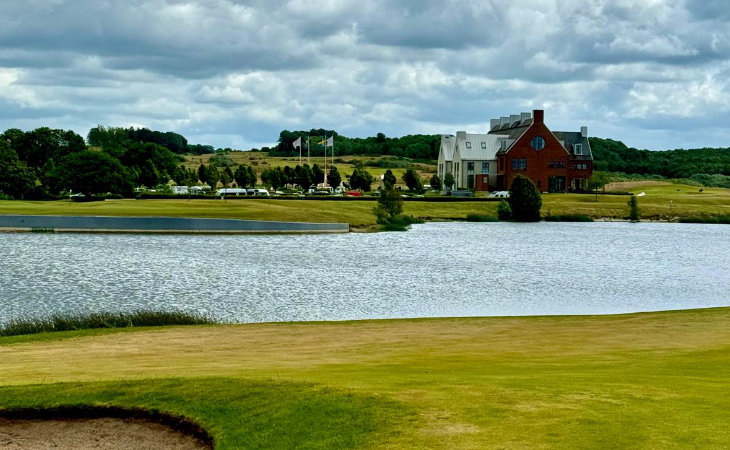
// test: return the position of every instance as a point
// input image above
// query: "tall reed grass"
(68, 322)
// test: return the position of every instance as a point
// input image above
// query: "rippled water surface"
(436, 269)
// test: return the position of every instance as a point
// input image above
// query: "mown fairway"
(686, 201)
(654, 380)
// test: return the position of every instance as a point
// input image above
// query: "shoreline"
(159, 225)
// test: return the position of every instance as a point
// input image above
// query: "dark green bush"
(481, 218)
(568, 218)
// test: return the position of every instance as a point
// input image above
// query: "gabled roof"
(480, 146)
(570, 138)
(512, 133)
(448, 144)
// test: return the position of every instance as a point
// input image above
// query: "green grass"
(663, 201)
(718, 219)
(652, 380)
(68, 322)
(237, 413)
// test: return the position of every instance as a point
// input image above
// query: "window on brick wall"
(515, 164)
(523, 163)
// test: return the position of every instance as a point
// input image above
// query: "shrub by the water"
(69, 322)
(633, 209)
(401, 222)
(524, 200)
(568, 218)
(481, 218)
(504, 212)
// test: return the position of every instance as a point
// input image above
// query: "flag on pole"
(298, 142)
(330, 142)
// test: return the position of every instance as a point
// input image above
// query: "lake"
(434, 270)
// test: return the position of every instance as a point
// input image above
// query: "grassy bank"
(654, 380)
(662, 201)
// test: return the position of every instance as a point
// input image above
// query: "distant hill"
(614, 156)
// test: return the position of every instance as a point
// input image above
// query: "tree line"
(418, 146)
(614, 156)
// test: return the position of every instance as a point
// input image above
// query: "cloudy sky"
(652, 73)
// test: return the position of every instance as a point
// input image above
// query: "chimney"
(584, 131)
(525, 116)
(514, 118)
(503, 120)
(538, 115)
(460, 135)
(493, 124)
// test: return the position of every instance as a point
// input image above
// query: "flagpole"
(300, 150)
(307, 149)
(325, 160)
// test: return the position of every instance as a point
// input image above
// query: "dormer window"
(578, 149)
(468, 144)
(484, 145)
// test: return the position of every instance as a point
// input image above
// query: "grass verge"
(69, 322)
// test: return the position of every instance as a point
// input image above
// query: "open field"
(686, 201)
(652, 380)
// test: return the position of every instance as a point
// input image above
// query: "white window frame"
(578, 149)
(468, 144)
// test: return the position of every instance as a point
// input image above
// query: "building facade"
(559, 161)
(555, 161)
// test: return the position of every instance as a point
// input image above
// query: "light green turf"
(653, 380)
(686, 202)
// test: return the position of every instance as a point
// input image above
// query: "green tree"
(524, 200)
(390, 204)
(504, 212)
(242, 177)
(226, 176)
(413, 181)
(93, 172)
(435, 182)
(252, 178)
(389, 178)
(16, 179)
(449, 181)
(318, 174)
(211, 177)
(633, 209)
(361, 178)
(597, 180)
(333, 177)
(149, 176)
(201, 173)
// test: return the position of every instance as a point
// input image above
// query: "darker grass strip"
(70, 322)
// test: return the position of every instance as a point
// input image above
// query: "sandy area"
(103, 433)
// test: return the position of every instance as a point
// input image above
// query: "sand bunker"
(103, 433)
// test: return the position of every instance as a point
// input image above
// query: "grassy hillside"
(654, 380)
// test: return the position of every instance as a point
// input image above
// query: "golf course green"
(648, 380)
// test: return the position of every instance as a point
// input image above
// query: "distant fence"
(161, 225)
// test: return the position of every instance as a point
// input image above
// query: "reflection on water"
(434, 270)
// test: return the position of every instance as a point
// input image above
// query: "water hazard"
(434, 270)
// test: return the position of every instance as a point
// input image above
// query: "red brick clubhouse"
(556, 161)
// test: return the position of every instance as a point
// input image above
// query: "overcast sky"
(652, 73)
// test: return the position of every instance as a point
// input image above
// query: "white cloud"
(236, 73)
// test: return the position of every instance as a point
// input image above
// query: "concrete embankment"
(106, 224)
